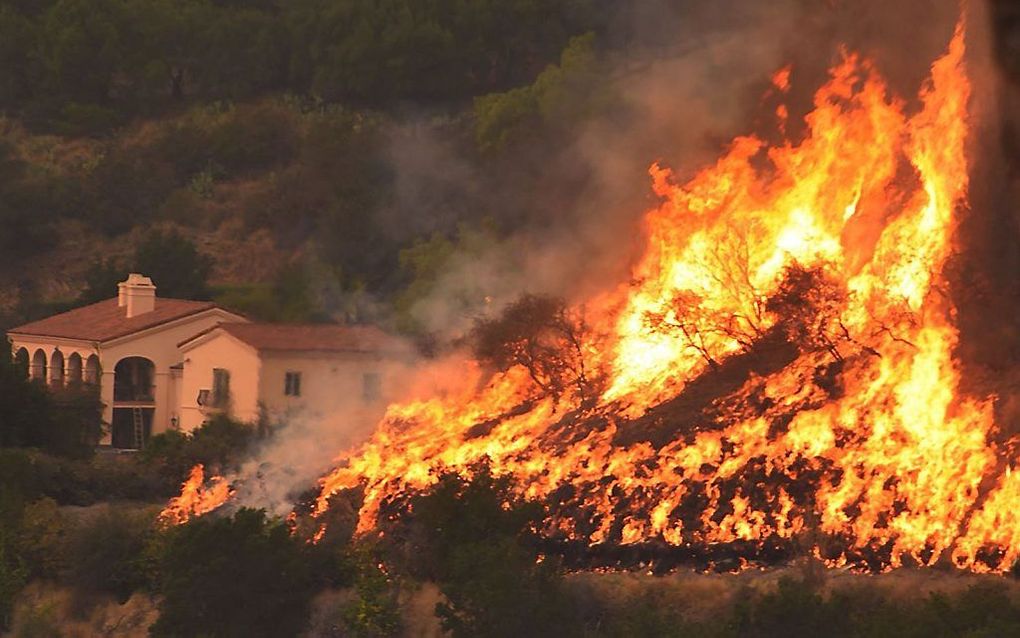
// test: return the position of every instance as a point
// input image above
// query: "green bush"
(243, 576)
(42, 538)
(66, 423)
(13, 576)
(473, 537)
(107, 551)
(124, 189)
(375, 611)
(253, 138)
(218, 444)
(87, 119)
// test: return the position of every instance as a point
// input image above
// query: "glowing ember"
(197, 497)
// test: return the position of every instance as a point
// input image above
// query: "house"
(161, 363)
(283, 371)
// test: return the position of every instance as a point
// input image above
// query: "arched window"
(74, 369)
(37, 370)
(133, 379)
(57, 368)
(21, 362)
(92, 371)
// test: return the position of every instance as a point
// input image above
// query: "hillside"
(372, 150)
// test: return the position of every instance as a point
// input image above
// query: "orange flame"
(197, 497)
(861, 435)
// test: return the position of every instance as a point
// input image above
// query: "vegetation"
(247, 574)
(475, 544)
(239, 576)
(67, 423)
(150, 126)
(543, 336)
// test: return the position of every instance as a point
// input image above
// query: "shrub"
(473, 537)
(375, 612)
(86, 119)
(106, 552)
(253, 138)
(218, 443)
(66, 423)
(243, 576)
(42, 537)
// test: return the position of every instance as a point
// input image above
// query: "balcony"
(133, 383)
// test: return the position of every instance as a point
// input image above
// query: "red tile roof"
(313, 337)
(106, 320)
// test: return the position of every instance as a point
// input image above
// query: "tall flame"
(859, 445)
(196, 497)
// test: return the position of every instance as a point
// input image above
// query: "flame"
(859, 445)
(197, 497)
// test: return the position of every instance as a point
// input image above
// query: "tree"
(423, 265)
(171, 260)
(375, 613)
(377, 52)
(68, 423)
(475, 538)
(86, 43)
(174, 264)
(561, 95)
(101, 279)
(18, 69)
(807, 307)
(540, 334)
(25, 231)
(726, 315)
(243, 576)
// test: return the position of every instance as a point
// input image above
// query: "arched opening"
(92, 371)
(57, 368)
(37, 370)
(21, 362)
(133, 380)
(133, 402)
(74, 369)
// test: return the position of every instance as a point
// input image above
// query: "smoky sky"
(686, 76)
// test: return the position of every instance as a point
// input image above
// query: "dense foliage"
(286, 118)
(239, 576)
(83, 65)
(66, 422)
(474, 539)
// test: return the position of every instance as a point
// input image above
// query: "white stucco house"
(283, 371)
(161, 363)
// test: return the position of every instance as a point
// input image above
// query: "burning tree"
(808, 305)
(540, 334)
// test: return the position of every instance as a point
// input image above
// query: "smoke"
(303, 446)
(685, 77)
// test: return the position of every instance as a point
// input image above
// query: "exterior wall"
(332, 389)
(219, 350)
(159, 345)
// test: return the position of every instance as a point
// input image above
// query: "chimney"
(137, 294)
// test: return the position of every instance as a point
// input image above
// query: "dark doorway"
(131, 427)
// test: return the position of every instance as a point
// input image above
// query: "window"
(292, 384)
(221, 387)
(371, 386)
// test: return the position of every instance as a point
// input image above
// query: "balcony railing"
(126, 393)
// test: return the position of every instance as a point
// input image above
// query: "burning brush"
(778, 377)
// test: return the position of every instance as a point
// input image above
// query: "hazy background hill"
(337, 159)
